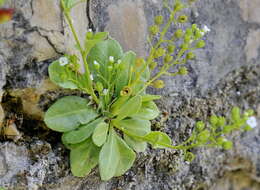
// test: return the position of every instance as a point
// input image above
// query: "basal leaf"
(69, 113)
(157, 139)
(123, 74)
(137, 145)
(131, 107)
(83, 157)
(148, 111)
(99, 136)
(90, 43)
(109, 157)
(115, 158)
(82, 133)
(135, 126)
(101, 53)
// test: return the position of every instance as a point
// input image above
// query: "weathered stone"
(250, 10)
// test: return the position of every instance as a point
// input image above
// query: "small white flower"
(90, 30)
(105, 91)
(206, 29)
(119, 61)
(252, 122)
(91, 77)
(63, 61)
(111, 59)
(96, 63)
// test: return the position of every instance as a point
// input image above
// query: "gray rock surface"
(226, 73)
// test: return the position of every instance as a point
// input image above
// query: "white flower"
(111, 59)
(91, 77)
(105, 91)
(252, 122)
(96, 63)
(119, 61)
(206, 29)
(90, 30)
(63, 61)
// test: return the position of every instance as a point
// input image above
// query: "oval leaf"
(82, 133)
(148, 111)
(83, 157)
(99, 136)
(131, 107)
(69, 113)
(137, 145)
(157, 139)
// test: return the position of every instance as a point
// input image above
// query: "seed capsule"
(182, 19)
(158, 84)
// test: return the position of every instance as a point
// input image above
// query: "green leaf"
(137, 145)
(158, 139)
(90, 43)
(69, 113)
(82, 133)
(135, 126)
(131, 107)
(148, 111)
(83, 157)
(115, 157)
(149, 97)
(99, 136)
(64, 77)
(123, 74)
(101, 53)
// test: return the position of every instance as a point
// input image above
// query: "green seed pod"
(200, 44)
(178, 6)
(178, 33)
(171, 48)
(227, 145)
(197, 34)
(159, 52)
(213, 120)
(154, 29)
(221, 121)
(99, 87)
(188, 32)
(182, 19)
(126, 91)
(194, 27)
(227, 129)
(190, 55)
(183, 71)
(185, 46)
(235, 113)
(187, 39)
(200, 125)
(203, 136)
(158, 84)
(153, 65)
(221, 140)
(168, 58)
(158, 20)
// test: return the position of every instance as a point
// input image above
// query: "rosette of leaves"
(110, 134)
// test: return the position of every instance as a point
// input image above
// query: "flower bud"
(227, 145)
(200, 44)
(182, 19)
(188, 32)
(183, 71)
(111, 59)
(221, 121)
(197, 34)
(154, 29)
(178, 33)
(213, 120)
(190, 55)
(96, 65)
(203, 136)
(159, 52)
(249, 113)
(194, 27)
(221, 140)
(187, 39)
(158, 84)
(227, 129)
(235, 113)
(184, 46)
(153, 65)
(200, 125)
(99, 86)
(168, 58)
(158, 20)
(178, 6)
(126, 91)
(171, 48)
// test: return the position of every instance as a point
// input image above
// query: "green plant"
(113, 123)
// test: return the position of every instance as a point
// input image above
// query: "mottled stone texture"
(226, 73)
